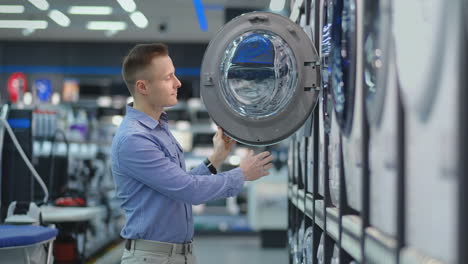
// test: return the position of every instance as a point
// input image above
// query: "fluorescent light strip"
(40, 4)
(59, 18)
(200, 11)
(277, 5)
(90, 10)
(127, 5)
(29, 24)
(11, 9)
(139, 19)
(106, 25)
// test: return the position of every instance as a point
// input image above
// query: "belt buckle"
(189, 247)
(128, 244)
(186, 248)
(183, 249)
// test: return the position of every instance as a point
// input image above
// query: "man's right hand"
(256, 166)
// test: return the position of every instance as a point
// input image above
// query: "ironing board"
(26, 244)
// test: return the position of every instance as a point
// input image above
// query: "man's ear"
(141, 87)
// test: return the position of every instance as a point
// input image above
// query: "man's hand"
(255, 167)
(222, 145)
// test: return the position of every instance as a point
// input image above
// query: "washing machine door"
(420, 29)
(343, 61)
(259, 78)
(377, 37)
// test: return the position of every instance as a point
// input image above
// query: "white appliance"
(351, 105)
(323, 113)
(385, 118)
(322, 145)
(334, 161)
(427, 47)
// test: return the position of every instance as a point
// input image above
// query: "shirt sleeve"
(145, 161)
(200, 169)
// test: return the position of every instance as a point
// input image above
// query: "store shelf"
(222, 223)
(309, 206)
(290, 191)
(351, 236)
(378, 246)
(412, 256)
(300, 200)
(319, 217)
(292, 194)
(333, 222)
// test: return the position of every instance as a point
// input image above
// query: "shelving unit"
(348, 226)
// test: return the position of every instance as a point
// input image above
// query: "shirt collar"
(145, 119)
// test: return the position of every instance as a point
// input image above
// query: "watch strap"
(210, 166)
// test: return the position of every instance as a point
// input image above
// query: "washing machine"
(326, 250)
(385, 116)
(323, 112)
(427, 51)
(312, 158)
(345, 104)
(259, 78)
(347, 95)
(331, 128)
(334, 160)
(308, 250)
(322, 147)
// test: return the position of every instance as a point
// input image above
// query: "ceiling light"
(41, 4)
(127, 5)
(106, 25)
(277, 5)
(29, 24)
(200, 12)
(55, 98)
(90, 10)
(139, 19)
(59, 18)
(12, 9)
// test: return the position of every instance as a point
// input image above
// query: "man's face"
(162, 82)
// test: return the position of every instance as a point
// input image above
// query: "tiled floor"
(221, 249)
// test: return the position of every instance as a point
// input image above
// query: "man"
(155, 190)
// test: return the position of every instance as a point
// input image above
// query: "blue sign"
(43, 89)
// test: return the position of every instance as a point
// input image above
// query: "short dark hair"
(138, 58)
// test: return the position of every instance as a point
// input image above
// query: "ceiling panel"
(169, 20)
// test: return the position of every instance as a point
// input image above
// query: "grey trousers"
(140, 256)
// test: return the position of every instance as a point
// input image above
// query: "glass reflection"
(372, 53)
(259, 74)
(343, 60)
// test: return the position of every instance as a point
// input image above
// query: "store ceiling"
(168, 20)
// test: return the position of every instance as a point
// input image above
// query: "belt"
(156, 246)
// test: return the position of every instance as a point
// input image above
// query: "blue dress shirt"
(153, 187)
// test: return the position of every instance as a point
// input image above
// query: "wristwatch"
(210, 166)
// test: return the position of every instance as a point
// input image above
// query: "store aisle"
(220, 249)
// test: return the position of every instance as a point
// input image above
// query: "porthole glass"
(372, 54)
(343, 60)
(258, 74)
